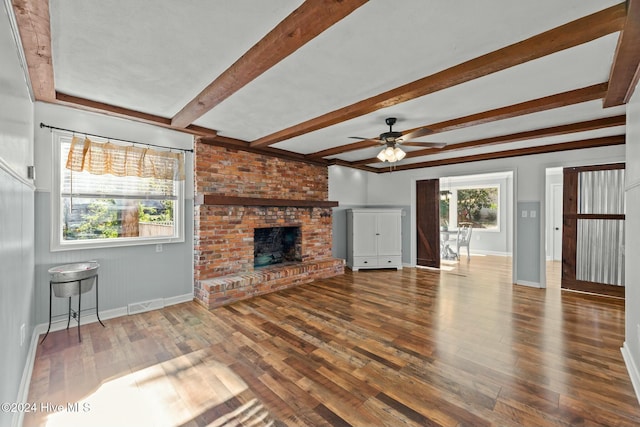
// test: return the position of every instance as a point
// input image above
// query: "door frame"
(571, 215)
(510, 214)
(554, 211)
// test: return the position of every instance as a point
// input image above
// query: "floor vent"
(141, 307)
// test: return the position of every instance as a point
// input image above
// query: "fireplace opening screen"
(276, 245)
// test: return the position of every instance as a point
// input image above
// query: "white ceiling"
(154, 56)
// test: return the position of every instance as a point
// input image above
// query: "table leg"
(79, 300)
(50, 298)
(69, 314)
(98, 311)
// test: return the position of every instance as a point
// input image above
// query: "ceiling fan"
(392, 141)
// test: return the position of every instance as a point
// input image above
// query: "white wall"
(16, 221)
(631, 349)
(127, 274)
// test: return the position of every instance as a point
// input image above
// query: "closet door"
(593, 229)
(428, 223)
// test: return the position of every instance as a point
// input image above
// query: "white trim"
(56, 243)
(60, 324)
(454, 188)
(527, 283)
(178, 299)
(632, 369)
(8, 4)
(8, 169)
(485, 252)
(23, 390)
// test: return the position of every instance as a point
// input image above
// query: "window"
(103, 210)
(476, 205)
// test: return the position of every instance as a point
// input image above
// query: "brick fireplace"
(238, 192)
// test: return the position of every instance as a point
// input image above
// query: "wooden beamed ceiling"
(315, 16)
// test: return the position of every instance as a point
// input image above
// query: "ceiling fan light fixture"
(391, 154)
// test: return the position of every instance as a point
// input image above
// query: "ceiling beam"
(625, 70)
(301, 26)
(32, 18)
(563, 37)
(563, 99)
(538, 149)
(125, 113)
(338, 162)
(515, 137)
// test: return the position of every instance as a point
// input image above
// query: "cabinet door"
(389, 230)
(364, 234)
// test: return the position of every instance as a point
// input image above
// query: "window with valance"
(112, 193)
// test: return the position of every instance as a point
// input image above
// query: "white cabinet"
(374, 238)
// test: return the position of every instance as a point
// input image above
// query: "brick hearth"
(223, 259)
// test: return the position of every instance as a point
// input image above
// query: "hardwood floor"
(402, 348)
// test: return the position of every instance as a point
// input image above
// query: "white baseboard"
(23, 391)
(179, 299)
(38, 330)
(483, 252)
(527, 283)
(60, 324)
(632, 369)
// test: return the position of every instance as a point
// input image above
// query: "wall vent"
(141, 307)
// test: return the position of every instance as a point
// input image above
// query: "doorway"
(553, 226)
(485, 201)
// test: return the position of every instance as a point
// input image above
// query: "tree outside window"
(476, 205)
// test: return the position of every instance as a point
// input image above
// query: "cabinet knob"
(366, 262)
(389, 261)
(377, 234)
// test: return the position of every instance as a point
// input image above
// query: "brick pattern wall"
(224, 234)
(228, 172)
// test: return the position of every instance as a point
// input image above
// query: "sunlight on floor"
(168, 394)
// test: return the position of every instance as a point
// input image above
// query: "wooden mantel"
(211, 199)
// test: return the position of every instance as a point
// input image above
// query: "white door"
(364, 234)
(557, 222)
(389, 234)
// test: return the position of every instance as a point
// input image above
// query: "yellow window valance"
(120, 160)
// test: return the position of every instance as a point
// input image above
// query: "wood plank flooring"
(415, 347)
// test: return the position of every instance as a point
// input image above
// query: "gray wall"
(127, 275)
(16, 220)
(398, 188)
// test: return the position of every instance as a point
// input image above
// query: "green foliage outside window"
(478, 206)
(162, 213)
(98, 221)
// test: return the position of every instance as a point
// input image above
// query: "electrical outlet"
(23, 330)
(159, 247)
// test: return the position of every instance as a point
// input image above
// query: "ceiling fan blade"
(415, 134)
(424, 144)
(366, 139)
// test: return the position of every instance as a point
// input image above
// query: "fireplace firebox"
(276, 245)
